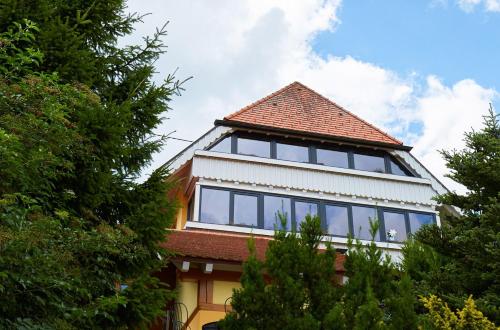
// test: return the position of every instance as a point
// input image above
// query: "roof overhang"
(238, 124)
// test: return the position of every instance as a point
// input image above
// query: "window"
(273, 205)
(214, 206)
(260, 210)
(395, 226)
(223, 145)
(302, 209)
(292, 152)
(254, 147)
(245, 210)
(369, 163)
(332, 158)
(417, 220)
(398, 169)
(337, 220)
(361, 217)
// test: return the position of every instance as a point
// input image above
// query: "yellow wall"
(188, 295)
(182, 211)
(224, 290)
(204, 317)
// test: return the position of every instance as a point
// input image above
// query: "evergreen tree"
(294, 288)
(74, 224)
(462, 257)
(377, 295)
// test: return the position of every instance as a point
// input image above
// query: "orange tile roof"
(299, 108)
(224, 246)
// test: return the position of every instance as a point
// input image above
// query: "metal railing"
(176, 317)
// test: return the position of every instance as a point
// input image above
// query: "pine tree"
(294, 288)
(466, 248)
(77, 116)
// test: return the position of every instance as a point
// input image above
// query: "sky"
(423, 71)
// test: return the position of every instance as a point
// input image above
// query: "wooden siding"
(245, 169)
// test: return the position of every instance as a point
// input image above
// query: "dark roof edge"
(238, 124)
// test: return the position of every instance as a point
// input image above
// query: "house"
(297, 152)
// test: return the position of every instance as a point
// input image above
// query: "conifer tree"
(461, 257)
(294, 288)
(77, 115)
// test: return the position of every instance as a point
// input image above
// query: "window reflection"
(337, 221)
(214, 206)
(292, 152)
(398, 169)
(417, 220)
(361, 217)
(254, 147)
(302, 209)
(245, 210)
(395, 226)
(332, 158)
(223, 145)
(369, 163)
(273, 205)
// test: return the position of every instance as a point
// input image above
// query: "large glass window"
(398, 169)
(214, 206)
(417, 220)
(254, 147)
(361, 216)
(369, 163)
(302, 209)
(223, 145)
(332, 158)
(337, 220)
(292, 152)
(245, 210)
(274, 205)
(395, 226)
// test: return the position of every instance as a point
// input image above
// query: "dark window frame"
(321, 204)
(312, 151)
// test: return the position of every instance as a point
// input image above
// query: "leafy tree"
(294, 288)
(440, 316)
(74, 224)
(462, 257)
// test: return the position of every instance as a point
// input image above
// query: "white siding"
(309, 177)
(421, 170)
(203, 142)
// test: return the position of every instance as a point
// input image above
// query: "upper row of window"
(260, 210)
(306, 153)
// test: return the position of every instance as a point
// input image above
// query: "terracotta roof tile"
(297, 107)
(222, 246)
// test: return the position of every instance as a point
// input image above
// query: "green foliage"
(76, 129)
(294, 288)
(462, 257)
(15, 58)
(442, 317)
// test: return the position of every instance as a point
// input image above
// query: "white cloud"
(469, 5)
(240, 51)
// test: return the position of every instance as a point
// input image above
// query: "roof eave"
(238, 124)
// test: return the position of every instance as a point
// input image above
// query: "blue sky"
(424, 71)
(425, 37)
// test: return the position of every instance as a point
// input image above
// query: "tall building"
(296, 152)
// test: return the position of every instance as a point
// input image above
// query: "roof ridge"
(262, 100)
(349, 112)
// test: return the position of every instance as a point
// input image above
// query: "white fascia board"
(421, 170)
(202, 142)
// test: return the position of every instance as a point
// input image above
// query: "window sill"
(339, 242)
